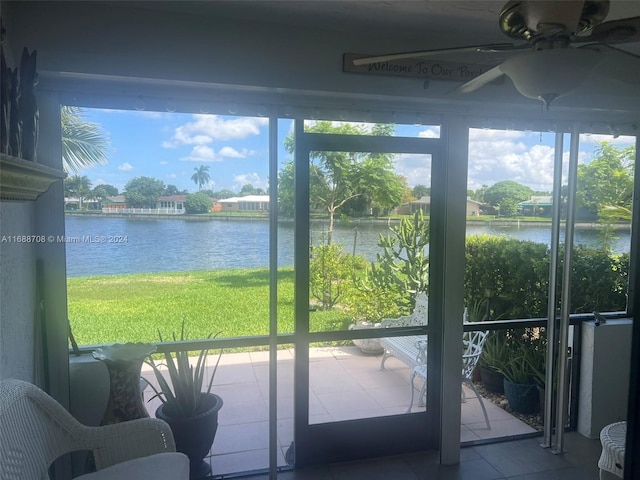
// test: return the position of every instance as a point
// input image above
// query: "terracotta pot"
(194, 435)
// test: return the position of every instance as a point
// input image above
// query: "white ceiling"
(433, 23)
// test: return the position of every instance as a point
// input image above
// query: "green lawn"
(132, 308)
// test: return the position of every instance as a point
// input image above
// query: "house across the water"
(249, 203)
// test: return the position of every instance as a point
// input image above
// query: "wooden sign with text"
(419, 68)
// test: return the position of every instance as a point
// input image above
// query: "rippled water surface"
(123, 245)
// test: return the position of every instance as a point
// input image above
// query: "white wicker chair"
(35, 430)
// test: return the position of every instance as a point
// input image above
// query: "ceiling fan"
(563, 42)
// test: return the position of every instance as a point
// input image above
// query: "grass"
(132, 308)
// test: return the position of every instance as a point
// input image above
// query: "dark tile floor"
(516, 460)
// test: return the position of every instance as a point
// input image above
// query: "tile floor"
(515, 460)
(344, 384)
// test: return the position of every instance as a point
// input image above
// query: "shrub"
(599, 280)
(198, 203)
(330, 273)
(512, 275)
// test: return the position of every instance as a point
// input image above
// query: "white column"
(454, 170)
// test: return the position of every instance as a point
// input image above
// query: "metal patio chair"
(472, 349)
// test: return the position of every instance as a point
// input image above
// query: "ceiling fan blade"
(603, 47)
(480, 80)
(626, 30)
(490, 48)
(612, 67)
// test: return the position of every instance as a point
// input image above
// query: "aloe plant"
(496, 351)
(526, 363)
(181, 391)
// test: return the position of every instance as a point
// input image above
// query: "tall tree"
(83, 143)
(248, 189)
(606, 181)
(224, 193)
(143, 192)
(201, 177)
(478, 195)
(78, 187)
(286, 200)
(420, 191)
(104, 190)
(197, 203)
(171, 190)
(339, 177)
(508, 191)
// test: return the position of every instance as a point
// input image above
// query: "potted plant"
(495, 353)
(191, 412)
(519, 387)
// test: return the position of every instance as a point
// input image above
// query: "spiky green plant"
(181, 392)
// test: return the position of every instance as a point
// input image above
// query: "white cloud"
(202, 153)
(431, 132)
(125, 167)
(496, 155)
(207, 128)
(253, 178)
(172, 175)
(99, 181)
(164, 162)
(415, 167)
(233, 153)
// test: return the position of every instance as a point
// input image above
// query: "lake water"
(108, 246)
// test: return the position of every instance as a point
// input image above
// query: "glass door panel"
(366, 239)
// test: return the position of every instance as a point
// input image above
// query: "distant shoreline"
(365, 221)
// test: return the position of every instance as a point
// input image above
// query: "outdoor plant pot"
(521, 398)
(194, 435)
(492, 380)
(476, 376)
(369, 346)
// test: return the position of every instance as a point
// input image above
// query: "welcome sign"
(435, 70)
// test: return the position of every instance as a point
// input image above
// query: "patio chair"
(35, 430)
(472, 349)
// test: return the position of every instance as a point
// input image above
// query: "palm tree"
(83, 144)
(201, 177)
(79, 187)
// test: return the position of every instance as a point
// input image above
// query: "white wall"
(604, 378)
(17, 293)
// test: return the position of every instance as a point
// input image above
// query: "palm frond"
(83, 143)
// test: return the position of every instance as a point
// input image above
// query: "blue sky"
(169, 146)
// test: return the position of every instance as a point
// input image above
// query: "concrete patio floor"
(344, 384)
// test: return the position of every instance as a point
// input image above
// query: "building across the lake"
(537, 205)
(424, 204)
(249, 203)
(172, 202)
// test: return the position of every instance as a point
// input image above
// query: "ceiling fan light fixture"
(548, 74)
